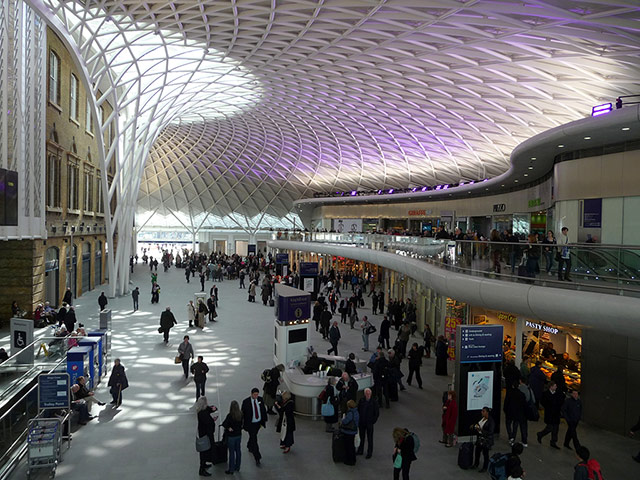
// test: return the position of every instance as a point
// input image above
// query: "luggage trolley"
(44, 445)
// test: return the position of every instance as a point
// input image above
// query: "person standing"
(415, 361)
(117, 383)
(68, 297)
(552, 401)
(428, 339)
(385, 328)
(201, 314)
(564, 256)
(449, 419)
(548, 249)
(537, 380)
(347, 389)
(270, 387)
(102, 301)
(211, 307)
(485, 428)
(167, 321)
(199, 370)
(191, 313)
(206, 428)
(374, 303)
(334, 338)
(515, 408)
(135, 295)
(254, 416)
(241, 277)
(185, 351)
(572, 413)
(286, 421)
(367, 329)
(368, 412)
(328, 396)
(325, 322)
(349, 428)
(70, 319)
(441, 356)
(252, 292)
(232, 425)
(203, 277)
(404, 449)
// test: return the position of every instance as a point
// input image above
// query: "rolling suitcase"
(219, 450)
(465, 455)
(337, 447)
(271, 302)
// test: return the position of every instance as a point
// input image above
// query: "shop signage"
(418, 213)
(542, 327)
(309, 269)
(507, 317)
(53, 390)
(282, 258)
(500, 207)
(480, 343)
(536, 202)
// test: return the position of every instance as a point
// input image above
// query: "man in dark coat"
(199, 370)
(537, 380)
(334, 338)
(167, 321)
(552, 401)
(383, 338)
(117, 382)
(68, 297)
(380, 373)
(70, 319)
(255, 416)
(572, 413)
(347, 389)
(369, 411)
(325, 322)
(102, 301)
(415, 361)
(135, 295)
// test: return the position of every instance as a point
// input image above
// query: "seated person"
(3, 355)
(49, 314)
(79, 405)
(87, 395)
(350, 365)
(312, 365)
(513, 463)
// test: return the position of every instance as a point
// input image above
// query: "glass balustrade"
(596, 267)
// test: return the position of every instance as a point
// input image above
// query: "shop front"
(456, 313)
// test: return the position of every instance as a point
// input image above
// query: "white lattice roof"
(316, 95)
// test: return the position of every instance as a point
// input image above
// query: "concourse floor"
(151, 436)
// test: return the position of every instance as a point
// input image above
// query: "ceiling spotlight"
(530, 168)
(438, 187)
(516, 181)
(625, 129)
(446, 186)
(391, 190)
(502, 185)
(533, 158)
(472, 182)
(526, 174)
(560, 146)
(587, 138)
(486, 188)
(414, 189)
(424, 189)
(379, 192)
(353, 193)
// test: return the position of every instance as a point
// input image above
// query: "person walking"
(232, 425)
(349, 429)
(385, 329)
(203, 277)
(367, 329)
(485, 428)
(135, 295)
(270, 387)
(241, 277)
(286, 421)
(552, 401)
(325, 322)
(199, 371)
(102, 301)
(68, 297)
(449, 419)
(572, 412)
(185, 352)
(206, 428)
(334, 338)
(403, 453)
(442, 355)
(254, 416)
(428, 338)
(564, 256)
(368, 412)
(415, 361)
(515, 410)
(167, 321)
(117, 383)
(252, 292)
(403, 339)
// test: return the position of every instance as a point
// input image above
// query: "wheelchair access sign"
(21, 338)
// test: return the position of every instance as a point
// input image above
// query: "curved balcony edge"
(617, 314)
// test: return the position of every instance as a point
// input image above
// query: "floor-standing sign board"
(54, 391)
(478, 374)
(309, 281)
(21, 336)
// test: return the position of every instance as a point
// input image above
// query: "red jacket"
(449, 417)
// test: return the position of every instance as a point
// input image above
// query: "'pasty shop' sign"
(543, 327)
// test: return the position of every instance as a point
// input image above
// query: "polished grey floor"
(152, 435)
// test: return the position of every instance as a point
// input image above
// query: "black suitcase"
(393, 389)
(337, 447)
(218, 451)
(522, 271)
(465, 455)
(272, 302)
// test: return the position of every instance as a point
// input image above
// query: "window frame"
(74, 101)
(54, 78)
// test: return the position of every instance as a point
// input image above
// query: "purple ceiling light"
(601, 109)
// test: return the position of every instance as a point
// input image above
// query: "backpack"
(266, 375)
(498, 466)
(593, 469)
(416, 442)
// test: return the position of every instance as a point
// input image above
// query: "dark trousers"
(553, 429)
(200, 388)
(485, 456)
(418, 377)
(135, 304)
(368, 431)
(572, 434)
(116, 394)
(406, 466)
(166, 336)
(185, 367)
(381, 389)
(566, 262)
(349, 450)
(334, 348)
(252, 444)
(512, 429)
(383, 341)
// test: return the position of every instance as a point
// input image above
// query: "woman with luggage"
(349, 429)
(484, 428)
(233, 433)
(328, 397)
(206, 428)
(286, 422)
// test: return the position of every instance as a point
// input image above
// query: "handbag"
(397, 462)
(203, 444)
(327, 409)
(178, 359)
(160, 330)
(371, 329)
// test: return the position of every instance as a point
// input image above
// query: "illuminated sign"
(417, 213)
(500, 207)
(536, 202)
(507, 317)
(542, 327)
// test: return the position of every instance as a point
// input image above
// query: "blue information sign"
(282, 258)
(54, 390)
(294, 308)
(480, 343)
(309, 269)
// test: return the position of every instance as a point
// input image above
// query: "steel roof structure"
(243, 106)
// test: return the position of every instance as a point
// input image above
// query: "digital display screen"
(298, 335)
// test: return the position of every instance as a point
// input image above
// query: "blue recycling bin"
(94, 362)
(78, 363)
(102, 349)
